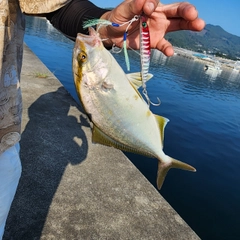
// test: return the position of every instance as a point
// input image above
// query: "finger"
(196, 25)
(150, 6)
(181, 24)
(146, 6)
(165, 47)
(187, 11)
(179, 10)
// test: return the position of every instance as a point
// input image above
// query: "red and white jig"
(145, 50)
(145, 55)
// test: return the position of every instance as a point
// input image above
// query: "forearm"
(69, 19)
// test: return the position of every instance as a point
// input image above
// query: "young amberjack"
(120, 116)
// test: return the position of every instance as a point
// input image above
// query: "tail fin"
(164, 167)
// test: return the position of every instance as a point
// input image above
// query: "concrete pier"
(71, 189)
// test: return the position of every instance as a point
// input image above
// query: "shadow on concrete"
(51, 140)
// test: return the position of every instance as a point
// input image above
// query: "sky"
(224, 13)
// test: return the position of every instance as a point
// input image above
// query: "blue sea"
(204, 130)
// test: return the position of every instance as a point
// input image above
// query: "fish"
(119, 115)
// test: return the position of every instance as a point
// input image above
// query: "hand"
(162, 18)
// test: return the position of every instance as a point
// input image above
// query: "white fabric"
(10, 172)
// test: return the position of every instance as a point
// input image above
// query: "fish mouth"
(92, 40)
(92, 46)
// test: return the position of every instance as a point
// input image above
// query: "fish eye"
(82, 57)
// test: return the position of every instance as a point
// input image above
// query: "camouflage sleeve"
(41, 6)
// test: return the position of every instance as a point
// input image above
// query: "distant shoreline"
(210, 60)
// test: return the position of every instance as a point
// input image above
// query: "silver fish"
(120, 116)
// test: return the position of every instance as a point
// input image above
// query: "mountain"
(212, 39)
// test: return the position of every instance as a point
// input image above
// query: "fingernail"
(150, 7)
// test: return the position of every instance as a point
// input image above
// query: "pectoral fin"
(136, 79)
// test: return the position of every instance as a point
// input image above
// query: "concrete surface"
(73, 189)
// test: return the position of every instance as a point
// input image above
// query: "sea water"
(204, 129)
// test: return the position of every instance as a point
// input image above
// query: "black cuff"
(69, 19)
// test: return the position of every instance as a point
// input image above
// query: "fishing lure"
(145, 50)
(125, 51)
(100, 22)
(134, 19)
(145, 55)
(103, 22)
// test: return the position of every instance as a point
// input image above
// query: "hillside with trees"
(212, 40)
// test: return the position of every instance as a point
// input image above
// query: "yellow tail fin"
(163, 168)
